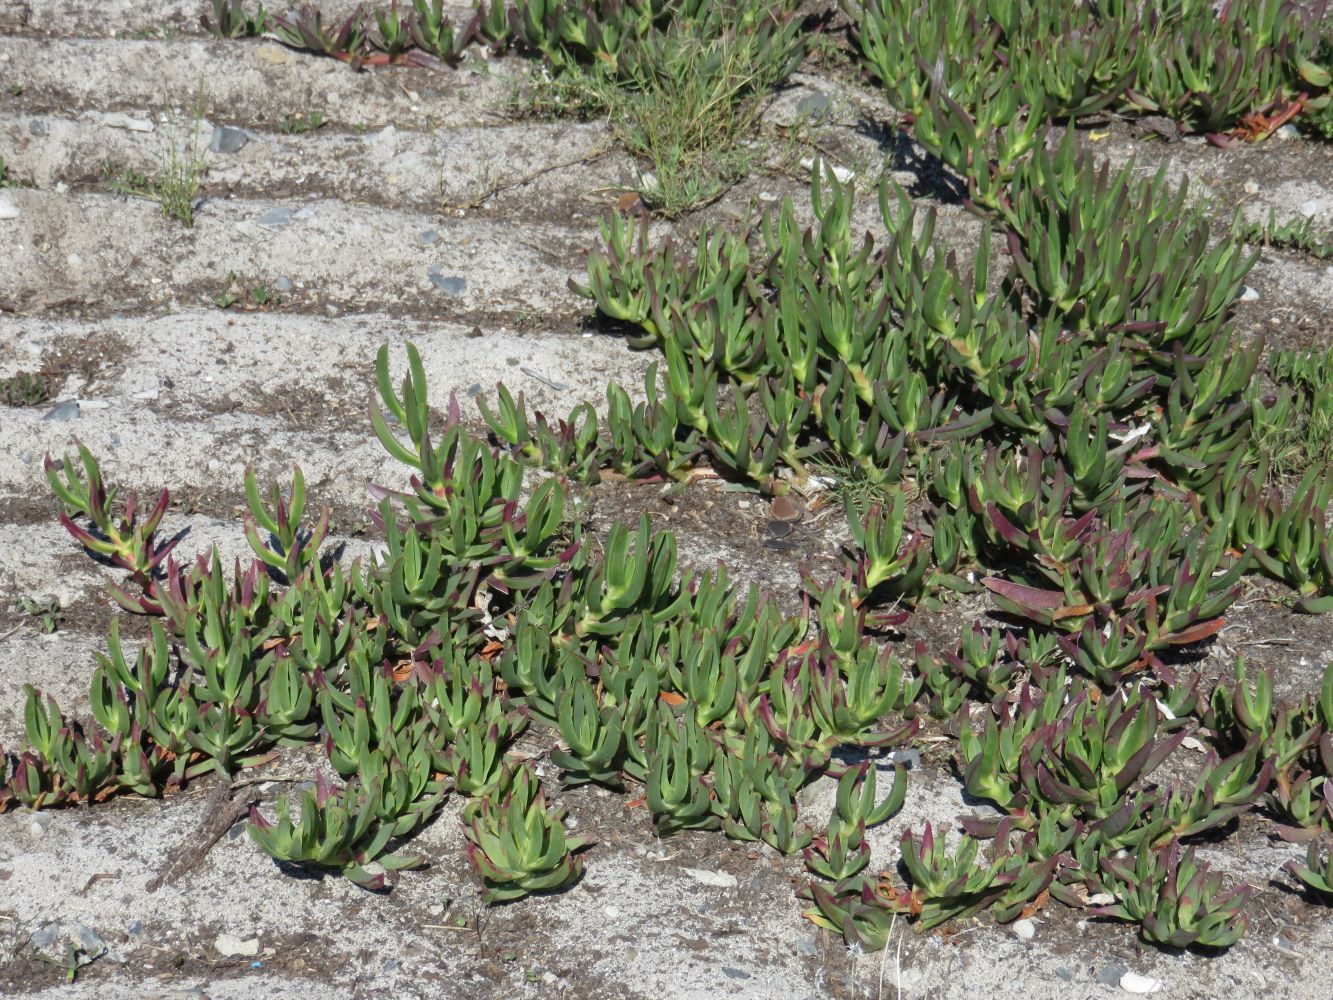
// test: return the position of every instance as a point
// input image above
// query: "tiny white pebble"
(1025, 930)
(1249, 295)
(613, 912)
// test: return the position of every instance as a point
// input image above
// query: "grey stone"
(450, 284)
(1064, 973)
(275, 218)
(307, 212)
(8, 210)
(1111, 973)
(87, 939)
(38, 825)
(37, 127)
(474, 390)
(46, 936)
(734, 973)
(807, 945)
(228, 139)
(63, 412)
(26, 457)
(283, 284)
(428, 236)
(910, 757)
(814, 105)
(134, 928)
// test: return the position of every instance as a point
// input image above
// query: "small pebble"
(8, 210)
(427, 236)
(1025, 930)
(613, 912)
(910, 757)
(63, 412)
(1288, 132)
(44, 937)
(450, 284)
(87, 939)
(814, 105)
(283, 284)
(275, 218)
(1064, 973)
(146, 395)
(134, 928)
(1111, 973)
(1251, 187)
(228, 139)
(785, 509)
(1249, 295)
(1309, 209)
(94, 404)
(37, 127)
(115, 119)
(733, 973)
(807, 945)
(306, 212)
(474, 390)
(722, 880)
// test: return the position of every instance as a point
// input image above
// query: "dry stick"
(222, 812)
(528, 178)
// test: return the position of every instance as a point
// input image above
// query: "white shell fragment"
(1132, 982)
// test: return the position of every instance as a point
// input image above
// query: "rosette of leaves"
(945, 886)
(346, 829)
(1175, 899)
(517, 842)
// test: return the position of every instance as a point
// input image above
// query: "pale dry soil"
(378, 209)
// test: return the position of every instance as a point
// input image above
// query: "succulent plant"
(1175, 899)
(123, 538)
(231, 21)
(1317, 872)
(517, 842)
(337, 828)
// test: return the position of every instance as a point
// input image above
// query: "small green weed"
(296, 124)
(46, 610)
(1295, 234)
(176, 185)
(24, 389)
(245, 297)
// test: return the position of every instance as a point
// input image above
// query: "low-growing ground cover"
(1036, 463)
